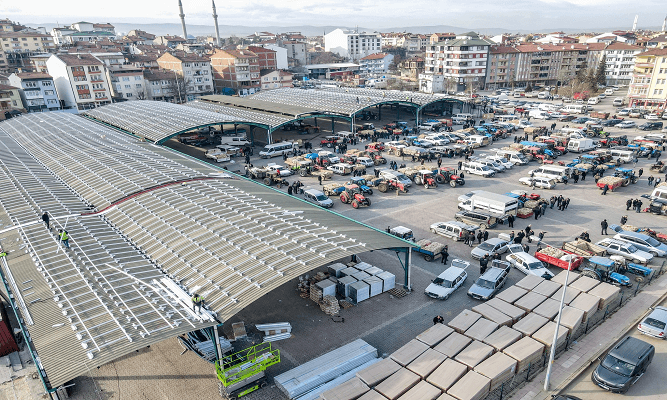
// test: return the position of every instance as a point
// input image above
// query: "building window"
(128, 86)
(138, 85)
(137, 78)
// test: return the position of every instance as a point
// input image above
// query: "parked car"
(538, 182)
(493, 279)
(452, 229)
(627, 124)
(478, 169)
(281, 169)
(655, 324)
(317, 197)
(526, 263)
(365, 161)
(651, 126)
(641, 241)
(485, 221)
(491, 247)
(625, 249)
(448, 281)
(652, 116)
(623, 365)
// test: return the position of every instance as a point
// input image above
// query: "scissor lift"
(242, 373)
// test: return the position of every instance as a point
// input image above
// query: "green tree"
(601, 72)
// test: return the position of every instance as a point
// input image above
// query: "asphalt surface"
(384, 321)
(651, 386)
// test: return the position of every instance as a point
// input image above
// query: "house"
(169, 41)
(353, 45)
(80, 80)
(376, 64)
(148, 37)
(87, 36)
(144, 61)
(649, 80)
(237, 70)
(412, 67)
(441, 37)
(195, 70)
(127, 82)
(10, 101)
(266, 57)
(275, 79)
(39, 91)
(107, 27)
(162, 85)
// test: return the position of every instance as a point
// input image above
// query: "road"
(651, 386)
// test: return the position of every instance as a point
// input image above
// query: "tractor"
(606, 270)
(391, 184)
(352, 194)
(627, 174)
(274, 177)
(659, 167)
(448, 175)
(426, 178)
(361, 182)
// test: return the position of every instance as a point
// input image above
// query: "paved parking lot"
(385, 322)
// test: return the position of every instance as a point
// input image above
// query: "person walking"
(552, 201)
(510, 221)
(528, 229)
(656, 182)
(483, 264)
(289, 190)
(624, 219)
(471, 243)
(466, 238)
(650, 180)
(64, 237)
(604, 189)
(439, 161)
(575, 177)
(197, 302)
(537, 212)
(319, 179)
(567, 203)
(486, 235)
(444, 253)
(639, 206)
(628, 204)
(512, 236)
(45, 218)
(640, 172)
(604, 226)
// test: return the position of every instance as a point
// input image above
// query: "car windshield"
(654, 323)
(653, 242)
(631, 249)
(620, 367)
(442, 282)
(485, 246)
(485, 283)
(321, 197)
(266, 149)
(535, 265)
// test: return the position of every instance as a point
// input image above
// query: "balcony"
(644, 65)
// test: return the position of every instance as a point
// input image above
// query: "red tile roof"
(376, 56)
(79, 59)
(503, 50)
(622, 46)
(654, 52)
(103, 26)
(33, 75)
(7, 87)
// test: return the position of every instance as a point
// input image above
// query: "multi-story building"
(39, 91)
(10, 101)
(107, 27)
(462, 59)
(620, 62)
(502, 66)
(375, 64)
(162, 85)
(649, 80)
(86, 36)
(412, 67)
(80, 80)
(237, 70)
(281, 55)
(127, 82)
(275, 79)
(353, 45)
(441, 37)
(18, 47)
(83, 31)
(265, 56)
(148, 37)
(296, 52)
(392, 39)
(195, 70)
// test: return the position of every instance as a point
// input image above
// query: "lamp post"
(560, 313)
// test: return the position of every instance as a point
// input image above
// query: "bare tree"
(449, 84)
(178, 87)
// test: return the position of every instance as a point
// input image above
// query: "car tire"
(452, 183)
(433, 231)
(653, 253)
(446, 297)
(428, 257)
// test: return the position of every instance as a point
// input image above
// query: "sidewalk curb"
(575, 374)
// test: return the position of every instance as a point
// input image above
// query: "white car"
(333, 158)
(652, 117)
(501, 160)
(526, 263)
(627, 125)
(538, 182)
(625, 249)
(523, 123)
(365, 161)
(447, 282)
(602, 96)
(280, 169)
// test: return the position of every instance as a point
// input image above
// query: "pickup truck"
(217, 155)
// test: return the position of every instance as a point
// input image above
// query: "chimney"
(182, 15)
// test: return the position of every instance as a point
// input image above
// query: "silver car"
(492, 247)
(625, 249)
(641, 241)
(655, 324)
(491, 282)
(448, 281)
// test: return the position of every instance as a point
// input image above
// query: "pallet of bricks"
(482, 350)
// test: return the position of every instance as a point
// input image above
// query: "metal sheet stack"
(327, 287)
(325, 368)
(360, 291)
(388, 280)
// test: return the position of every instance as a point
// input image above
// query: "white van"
(497, 204)
(580, 145)
(548, 107)
(506, 118)
(476, 168)
(593, 100)
(459, 119)
(340, 169)
(659, 192)
(575, 108)
(239, 141)
(515, 157)
(538, 114)
(609, 92)
(478, 140)
(555, 172)
(625, 156)
(278, 149)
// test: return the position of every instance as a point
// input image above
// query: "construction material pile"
(408, 171)
(630, 228)
(329, 305)
(433, 247)
(524, 212)
(587, 167)
(299, 160)
(368, 177)
(515, 146)
(610, 180)
(553, 252)
(329, 188)
(315, 293)
(532, 204)
(584, 248)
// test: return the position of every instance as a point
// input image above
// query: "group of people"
(636, 205)
(655, 181)
(561, 202)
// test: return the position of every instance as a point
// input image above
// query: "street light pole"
(560, 313)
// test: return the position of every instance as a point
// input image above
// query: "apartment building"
(161, 85)
(235, 69)
(462, 59)
(80, 80)
(375, 64)
(296, 52)
(194, 69)
(620, 62)
(275, 79)
(17, 47)
(127, 82)
(10, 101)
(39, 91)
(649, 80)
(441, 37)
(353, 45)
(266, 57)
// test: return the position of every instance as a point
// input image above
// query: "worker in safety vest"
(3, 253)
(197, 302)
(64, 237)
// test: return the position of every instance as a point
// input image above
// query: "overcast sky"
(477, 14)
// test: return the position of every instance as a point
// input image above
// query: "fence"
(508, 387)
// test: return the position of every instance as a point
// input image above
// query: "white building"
(127, 82)
(39, 92)
(281, 55)
(432, 83)
(620, 62)
(351, 44)
(375, 64)
(80, 80)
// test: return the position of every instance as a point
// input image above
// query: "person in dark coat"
(472, 239)
(45, 218)
(512, 236)
(537, 212)
(480, 235)
(604, 189)
(289, 190)
(604, 226)
(438, 320)
(567, 203)
(628, 204)
(510, 221)
(624, 219)
(527, 230)
(483, 264)
(639, 206)
(444, 253)
(486, 235)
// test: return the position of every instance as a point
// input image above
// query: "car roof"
(493, 274)
(451, 273)
(615, 241)
(314, 192)
(495, 241)
(630, 350)
(634, 234)
(459, 224)
(526, 257)
(659, 313)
